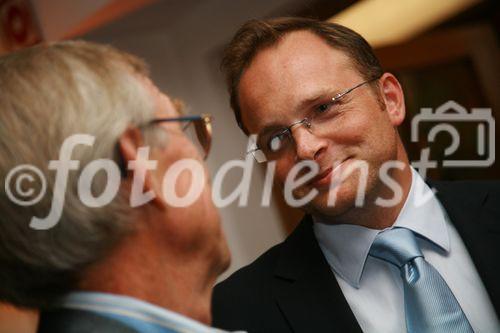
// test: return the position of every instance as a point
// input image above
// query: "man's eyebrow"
(315, 97)
(305, 103)
(271, 128)
(179, 106)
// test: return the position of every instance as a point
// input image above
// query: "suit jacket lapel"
(475, 214)
(305, 288)
(310, 298)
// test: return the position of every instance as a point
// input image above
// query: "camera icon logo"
(445, 116)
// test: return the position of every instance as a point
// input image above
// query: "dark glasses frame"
(202, 124)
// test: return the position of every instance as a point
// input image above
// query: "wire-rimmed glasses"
(272, 145)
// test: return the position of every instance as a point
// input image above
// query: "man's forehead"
(301, 67)
(298, 51)
(165, 106)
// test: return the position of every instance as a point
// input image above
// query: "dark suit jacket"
(79, 321)
(291, 287)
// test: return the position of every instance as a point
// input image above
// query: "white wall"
(182, 41)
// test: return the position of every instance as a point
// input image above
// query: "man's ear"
(129, 143)
(393, 97)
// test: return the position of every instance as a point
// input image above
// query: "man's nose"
(307, 145)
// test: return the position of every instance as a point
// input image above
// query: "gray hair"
(48, 93)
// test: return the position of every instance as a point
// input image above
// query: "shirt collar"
(422, 213)
(134, 309)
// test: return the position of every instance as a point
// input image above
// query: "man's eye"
(324, 107)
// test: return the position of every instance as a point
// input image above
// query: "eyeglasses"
(275, 144)
(197, 128)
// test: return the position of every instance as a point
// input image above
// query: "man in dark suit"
(400, 259)
(146, 257)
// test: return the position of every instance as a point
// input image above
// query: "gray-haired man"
(81, 253)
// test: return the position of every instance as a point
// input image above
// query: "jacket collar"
(473, 210)
(305, 288)
(309, 296)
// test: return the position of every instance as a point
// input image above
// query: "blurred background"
(440, 50)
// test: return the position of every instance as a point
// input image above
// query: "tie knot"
(397, 246)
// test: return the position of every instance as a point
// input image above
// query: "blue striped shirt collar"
(134, 309)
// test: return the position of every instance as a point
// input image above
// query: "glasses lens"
(200, 133)
(276, 145)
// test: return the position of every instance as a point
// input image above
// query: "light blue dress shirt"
(134, 313)
(373, 288)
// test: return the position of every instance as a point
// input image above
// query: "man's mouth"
(324, 178)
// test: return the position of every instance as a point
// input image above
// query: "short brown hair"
(256, 35)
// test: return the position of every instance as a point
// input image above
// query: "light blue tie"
(430, 305)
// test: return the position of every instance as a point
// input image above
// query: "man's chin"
(333, 203)
(323, 208)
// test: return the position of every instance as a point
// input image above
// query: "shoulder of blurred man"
(79, 321)
(292, 284)
(102, 312)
